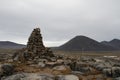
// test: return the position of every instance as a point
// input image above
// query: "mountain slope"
(114, 43)
(12, 45)
(80, 43)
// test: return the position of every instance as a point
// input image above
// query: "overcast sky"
(59, 20)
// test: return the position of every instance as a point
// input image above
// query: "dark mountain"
(114, 43)
(80, 43)
(11, 45)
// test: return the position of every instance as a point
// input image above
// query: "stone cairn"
(34, 49)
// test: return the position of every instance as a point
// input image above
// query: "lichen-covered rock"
(6, 69)
(115, 71)
(30, 76)
(15, 77)
(112, 72)
(63, 69)
(118, 78)
(59, 68)
(107, 72)
(68, 77)
(41, 64)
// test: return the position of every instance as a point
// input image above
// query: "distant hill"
(80, 43)
(114, 43)
(10, 45)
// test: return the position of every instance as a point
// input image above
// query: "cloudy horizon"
(59, 20)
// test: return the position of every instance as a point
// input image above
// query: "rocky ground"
(62, 68)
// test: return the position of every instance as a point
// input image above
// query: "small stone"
(68, 77)
(63, 69)
(41, 64)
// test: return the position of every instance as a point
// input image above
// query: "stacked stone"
(35, 48)
(35, 45)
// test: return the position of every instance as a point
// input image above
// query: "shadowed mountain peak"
(11, 45)
(114, 43)
(85, 43)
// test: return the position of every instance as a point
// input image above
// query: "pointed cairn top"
(35, 44)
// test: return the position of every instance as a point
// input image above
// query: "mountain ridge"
(80, 43)
(11, 45)
(114, 43)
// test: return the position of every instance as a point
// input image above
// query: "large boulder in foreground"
(6, 69)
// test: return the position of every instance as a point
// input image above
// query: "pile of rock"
(35, 45)
(34, 50)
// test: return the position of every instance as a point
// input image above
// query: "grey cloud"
(59, 20)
